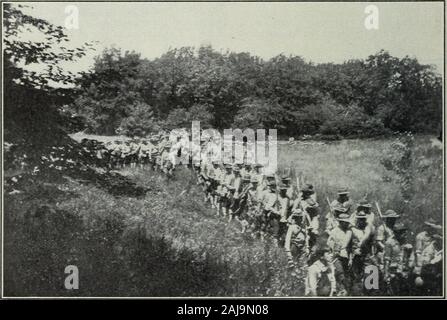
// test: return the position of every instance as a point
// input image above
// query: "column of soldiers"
(338, 248)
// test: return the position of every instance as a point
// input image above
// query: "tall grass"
(356, 164)
(162, 244)
(168, 243)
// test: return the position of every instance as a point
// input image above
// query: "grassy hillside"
(168, 243)
(356, 164)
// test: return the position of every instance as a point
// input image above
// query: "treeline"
(124, 93)
(127, 94)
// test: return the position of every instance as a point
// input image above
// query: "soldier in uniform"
(384, 232)
(166, 161)
(240, 204)
(290, 192)
(285, 204)
(429, 279)
(257, 174)
(225, 196)
(423, 240)
(313, 215)
(399, 261)
(269, 203)
(365, 207)
(212, 182)
(342, 201)
(297, 240)
(237, 185)
(116, 154)
(340, 241)
(320, 279)
(362, 249)
(254, 196)
(246, 170)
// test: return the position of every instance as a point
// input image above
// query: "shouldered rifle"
(378, 210)
(330, 207)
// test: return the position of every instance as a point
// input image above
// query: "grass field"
(356, 164)
(168, 243)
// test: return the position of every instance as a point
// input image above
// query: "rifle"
(378, 210)
(330, 207)
(298, 185)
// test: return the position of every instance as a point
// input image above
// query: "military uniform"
(399, 261)
(340, 241)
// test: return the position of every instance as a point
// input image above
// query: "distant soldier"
(254, 197)
(384, 232)
(218, 178)
(424, 239)
(240, 203)
(305, 199)
(166, 161)
(246, 170)
(225, 195)
(340, 241)
(399, 261)
(313, 214)
(430, 277)
(270, 211)
(237, 184)
(116, 154)
(285, 205)
(365, 207)
(213, 176)
(342, 201)
(125, 152)
(362, 249)
(297, 239)
(290, 191)
(257, 174)
(270, 178)
(320, 280)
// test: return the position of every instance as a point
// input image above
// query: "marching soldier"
(343, 202)
(340, 241)
(225, 196)
(212, 173)
(237, 185)
(290, 190)
(240, 204)
(285, 205)
(254, 198)
(362, 249)
(166, 161)
(423, 240)
(246, 170)
(297, 239)
(429, 278)
(384, 232)
(312, 211)
(365, 207)
(270, 210)
(399, 261)
(320, 279)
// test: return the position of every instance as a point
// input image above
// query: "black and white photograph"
(223, 150)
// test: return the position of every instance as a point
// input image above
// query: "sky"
(318, 32)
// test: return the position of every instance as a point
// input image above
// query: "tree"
(33, 100)
(260, 114)
(140, 122)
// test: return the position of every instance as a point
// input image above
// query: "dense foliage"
(226, 90)
(35, 120)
